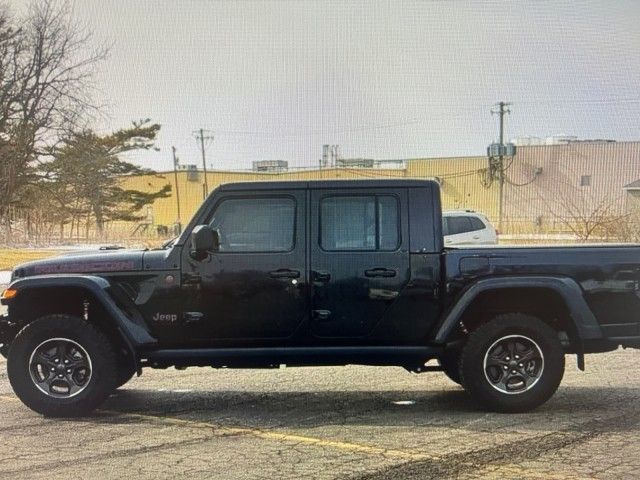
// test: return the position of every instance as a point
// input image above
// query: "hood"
(109, 261)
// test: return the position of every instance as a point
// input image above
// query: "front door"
(359, 259)
(254, 286)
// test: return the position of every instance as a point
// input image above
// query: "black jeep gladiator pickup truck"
(317, 273)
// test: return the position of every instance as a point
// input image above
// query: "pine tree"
(86, 171)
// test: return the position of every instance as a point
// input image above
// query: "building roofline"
(385, 169)
(282, 172)
(339, 183)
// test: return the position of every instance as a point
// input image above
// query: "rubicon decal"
(83, 267)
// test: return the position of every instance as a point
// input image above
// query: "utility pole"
(200, 135)
(175, 175)
(501, 109)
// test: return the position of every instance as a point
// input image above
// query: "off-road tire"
(450, 363)
(96, 344)
(472, 363)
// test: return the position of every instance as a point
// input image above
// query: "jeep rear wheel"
(61, 366)
(514, 363)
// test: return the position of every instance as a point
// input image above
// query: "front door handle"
(380, 272)
(284, 273)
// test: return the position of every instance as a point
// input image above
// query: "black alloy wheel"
(60, 367)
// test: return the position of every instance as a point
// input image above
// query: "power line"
(595, 101)
(529, 182)
(416, 121)
(361, 128)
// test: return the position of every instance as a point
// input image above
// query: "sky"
(275, 80)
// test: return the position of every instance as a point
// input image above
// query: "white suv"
(466, 227)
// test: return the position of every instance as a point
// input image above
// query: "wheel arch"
(556, 300)
(81, 296)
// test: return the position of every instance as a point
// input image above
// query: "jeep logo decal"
(165, 317)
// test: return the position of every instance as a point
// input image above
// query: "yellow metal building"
(461, 181)
(547, 189)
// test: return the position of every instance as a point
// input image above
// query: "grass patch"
(10, 257)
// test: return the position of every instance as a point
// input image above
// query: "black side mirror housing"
(204, 240)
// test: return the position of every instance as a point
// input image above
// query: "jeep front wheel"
(514, 363)
(61, 366)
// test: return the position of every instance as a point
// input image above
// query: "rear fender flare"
(586, 324)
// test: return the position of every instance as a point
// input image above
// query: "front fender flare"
(586, 324)
(133, 333)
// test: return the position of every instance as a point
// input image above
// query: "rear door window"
(365, 223)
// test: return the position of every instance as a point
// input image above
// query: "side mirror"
(204, 240)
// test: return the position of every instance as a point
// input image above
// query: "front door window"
(255, 224)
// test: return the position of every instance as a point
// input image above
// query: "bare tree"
(586, 216)
(47, 65)
(627, 230)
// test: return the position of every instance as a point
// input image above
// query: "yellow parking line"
(268, 435)
(280, 437)
(7, 398)
(222, 431)
(490, 471)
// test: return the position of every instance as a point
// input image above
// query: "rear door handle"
(284, 273)
(380, 272)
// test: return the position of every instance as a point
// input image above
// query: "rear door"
(359, 258)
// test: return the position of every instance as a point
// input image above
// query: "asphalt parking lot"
(352, 422)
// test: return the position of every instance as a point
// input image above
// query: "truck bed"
(609, 276)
